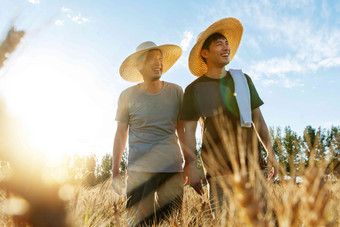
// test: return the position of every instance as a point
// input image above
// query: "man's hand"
(118, 185)
(195, 178)
(186, 176)
(271, 173)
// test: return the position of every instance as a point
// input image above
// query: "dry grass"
(9, 44)
(252, 201)
(294, 205)
(306, 204)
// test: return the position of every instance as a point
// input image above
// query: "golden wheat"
(10, 43)
(252, 200)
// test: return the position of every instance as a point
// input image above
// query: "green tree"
(309, 135)
(291, 143)
(276, 141)
(320, 145)
(76, 168)
(105, 169)
(90, 178)
(124, 162)
(332, 140)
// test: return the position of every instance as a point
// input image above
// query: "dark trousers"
(153, 196)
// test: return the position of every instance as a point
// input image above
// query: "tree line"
(292, 151)
(295, 152)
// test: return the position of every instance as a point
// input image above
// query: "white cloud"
(267, 82)
(34, 1)
(294, 43)
(330, 62)
(79, 19)
(253, 43)
(75, 18)
(274, 71)
(65, 10)
(295, 4)
(186, 40)
(276, 66)
(59, 22)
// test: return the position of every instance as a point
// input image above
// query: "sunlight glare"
(66, 192)
(56, 101)
(16, 206)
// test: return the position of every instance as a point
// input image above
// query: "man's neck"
(216, 72)
(151, 87)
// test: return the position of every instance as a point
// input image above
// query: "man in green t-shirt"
(212, 99)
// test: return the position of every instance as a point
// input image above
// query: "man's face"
(152, 67)
(218, 53)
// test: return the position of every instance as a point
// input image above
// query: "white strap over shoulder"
(242, 95)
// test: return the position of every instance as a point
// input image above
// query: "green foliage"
(90, 178)
(123, 163)
(291, 150)
(86, 170)
(105, 169)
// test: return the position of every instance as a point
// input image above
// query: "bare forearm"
(190, 142)
(118, 150)
(262, 130)
(195, 175)
(191, 149)
(264, 134)
(181, 138)
(118, 147)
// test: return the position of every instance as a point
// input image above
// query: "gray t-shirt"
(152, 119)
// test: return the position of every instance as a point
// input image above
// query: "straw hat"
(128, 70)
(230, 28)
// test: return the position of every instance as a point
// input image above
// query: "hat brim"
(230, 28)
(128, 69)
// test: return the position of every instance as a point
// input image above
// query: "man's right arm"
(195, 174)
(119, 146)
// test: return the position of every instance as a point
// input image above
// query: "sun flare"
(56, 102)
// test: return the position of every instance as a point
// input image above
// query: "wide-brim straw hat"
(230, 27)
(128, 69)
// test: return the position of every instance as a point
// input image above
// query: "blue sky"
(63, 80)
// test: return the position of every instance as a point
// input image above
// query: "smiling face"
(217, 54)
(151, 67)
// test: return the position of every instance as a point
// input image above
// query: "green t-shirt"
(214, 103)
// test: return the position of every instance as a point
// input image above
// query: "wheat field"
(306, 204)
(310, 203)
(252, 201)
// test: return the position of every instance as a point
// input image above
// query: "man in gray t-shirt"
(148, 112)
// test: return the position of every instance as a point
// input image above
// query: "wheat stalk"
(9, 44)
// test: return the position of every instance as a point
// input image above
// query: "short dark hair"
(209, 40)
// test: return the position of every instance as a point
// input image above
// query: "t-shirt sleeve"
(256, 101)
(180, 97)
(122, 114)
(189, 110)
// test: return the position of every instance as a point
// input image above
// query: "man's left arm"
(180, 133)
(262, 131)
